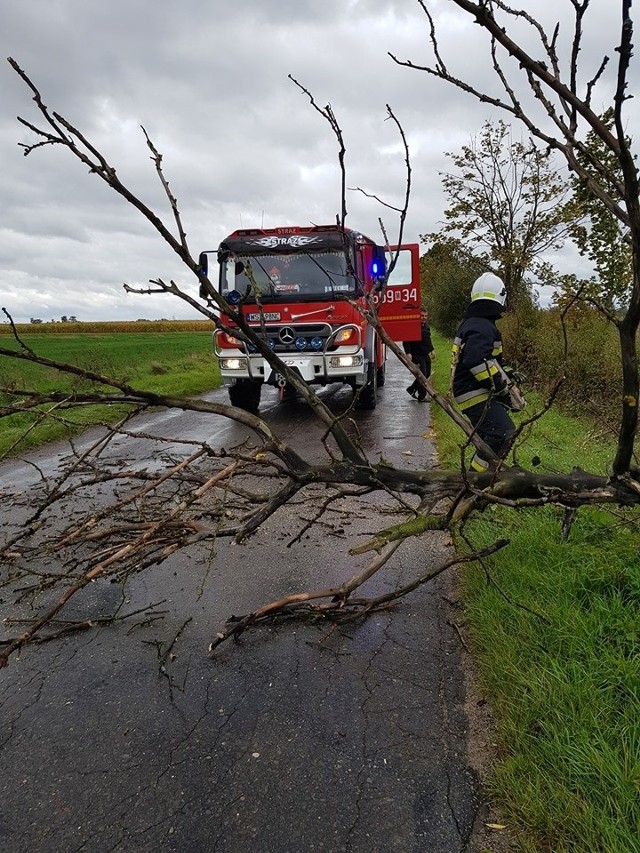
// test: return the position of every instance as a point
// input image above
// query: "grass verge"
(178, 363)
(555, 630)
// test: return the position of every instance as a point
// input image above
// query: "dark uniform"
(420, 351)
(479, 388)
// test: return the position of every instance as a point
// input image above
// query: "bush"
(446, 278)
(534, 340)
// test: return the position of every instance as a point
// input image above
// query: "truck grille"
(282, 337)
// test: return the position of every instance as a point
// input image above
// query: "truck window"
(401, 273)
(312, 275)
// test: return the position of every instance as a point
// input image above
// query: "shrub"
(534, 340)
(447, 274)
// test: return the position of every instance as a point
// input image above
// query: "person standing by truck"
(421, 352)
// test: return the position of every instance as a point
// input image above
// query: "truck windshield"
(317, 275)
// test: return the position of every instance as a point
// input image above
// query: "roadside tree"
(599, 234)
(559, 113)
(507, 205)
(447, 273)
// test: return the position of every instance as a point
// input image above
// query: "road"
(293, 739)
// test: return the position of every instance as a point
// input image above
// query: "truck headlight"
(345, 361)
(343, 336)
(233, 363)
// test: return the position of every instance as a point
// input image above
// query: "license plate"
(268, 316)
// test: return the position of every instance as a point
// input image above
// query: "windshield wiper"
(272, 291)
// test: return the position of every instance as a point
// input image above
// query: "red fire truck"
(298, 288)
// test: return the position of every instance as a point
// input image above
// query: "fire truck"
(299, 289)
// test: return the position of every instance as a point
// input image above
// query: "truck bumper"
(320, 369)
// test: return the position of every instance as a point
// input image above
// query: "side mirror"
(203, 264)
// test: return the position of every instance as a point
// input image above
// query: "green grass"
(564, 684)
(178, 363)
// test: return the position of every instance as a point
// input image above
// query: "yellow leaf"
(495, 825)
(407, 453)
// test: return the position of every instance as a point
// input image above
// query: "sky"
(241, 144)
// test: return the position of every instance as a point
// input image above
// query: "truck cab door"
(398, 303)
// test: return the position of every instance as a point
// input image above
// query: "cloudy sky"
(242, 146)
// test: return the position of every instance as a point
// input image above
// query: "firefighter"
(420, 352)
(480, 387)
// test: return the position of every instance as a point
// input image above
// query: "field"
(106, 328)
(166, 357)
(555, 629)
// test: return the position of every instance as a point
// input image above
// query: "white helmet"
(489, 286)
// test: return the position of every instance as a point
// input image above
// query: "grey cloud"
(241, 144)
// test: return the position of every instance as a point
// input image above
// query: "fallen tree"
(214, 492)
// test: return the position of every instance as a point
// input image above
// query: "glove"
(504, 398)
(514, 375)
(511, 398)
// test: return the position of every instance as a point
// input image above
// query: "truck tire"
(367, 398)
(245, 394)
(382, 374)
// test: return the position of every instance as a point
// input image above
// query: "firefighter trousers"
(495, 428)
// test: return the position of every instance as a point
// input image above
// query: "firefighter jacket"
(477, 356)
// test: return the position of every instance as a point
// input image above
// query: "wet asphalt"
(296, 738)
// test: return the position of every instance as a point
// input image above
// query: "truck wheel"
(367, 398)
(245, 394)
(382, 374)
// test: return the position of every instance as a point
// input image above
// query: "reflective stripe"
(479, 464)
(484, 370)
(495, 352)
(485, 294)
(471, 398)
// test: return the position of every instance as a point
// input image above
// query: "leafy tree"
(447, 272)
(559, 113)
(599, 235)
(507, 203)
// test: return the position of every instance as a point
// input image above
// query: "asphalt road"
(293, 739)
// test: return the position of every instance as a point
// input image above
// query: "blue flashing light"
(316, 343)
(376, 268)
(272, 343)
(233, 297)
(301, 343)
